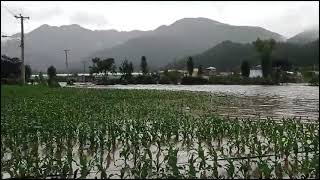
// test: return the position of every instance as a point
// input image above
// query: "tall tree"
(99, 65)
(265, 48)
(130, 70)
(114, 69)
(28, 72)
(166, 72)
(190, 65)
(94, 68)
(144, 65)
(10, 67)
(106, 65)
(245, 69)
(41, 77)
(200, 70)
(283, 63)
(126, 69)
(52, 73)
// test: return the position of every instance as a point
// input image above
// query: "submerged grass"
(91, 133)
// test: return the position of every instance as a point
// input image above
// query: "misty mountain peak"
(44, 26)
(314, 32)
(196, 21)
(306, 36)
(72, 27)
(183, 37)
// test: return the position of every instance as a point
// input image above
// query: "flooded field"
(293, 100)
(120, 133)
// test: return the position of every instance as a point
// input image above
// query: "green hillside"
(229, 55)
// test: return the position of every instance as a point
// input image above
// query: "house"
(195, 72)
(256, 72)
(225, 73)
(209, 71)
(85, 77)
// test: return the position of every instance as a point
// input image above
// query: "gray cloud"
(292, 22)
(286, 18)
(89, 19)
(43, 13)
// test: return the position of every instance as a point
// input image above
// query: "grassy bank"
(64, 132)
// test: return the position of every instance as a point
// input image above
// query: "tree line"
(10, 70)
(108, 66)
(271, 69)
(227, 56)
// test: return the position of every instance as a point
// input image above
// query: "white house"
(210, 71)
(256, 72)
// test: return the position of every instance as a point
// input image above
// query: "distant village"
(255, 72)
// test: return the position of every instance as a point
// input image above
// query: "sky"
(287, 18)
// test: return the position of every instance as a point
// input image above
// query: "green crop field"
(88, 133)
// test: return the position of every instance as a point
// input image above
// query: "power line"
(13, 14)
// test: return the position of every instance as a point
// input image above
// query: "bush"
(308, 74)
(193, 81)
(70, 82)
(107, 81)
(314, 80)
(267, 81)
(238, 80)
(53, 83)
(164, 80)
(146, 79)
(232, 79)
(131, 80)
(124, 82)
(10, 81)
(61, 78)
(156, 77)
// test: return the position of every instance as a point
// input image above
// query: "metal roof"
(211, 68)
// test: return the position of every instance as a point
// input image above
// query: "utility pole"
(66, 52)
(84, 70)
(22, 47)
(84, 66)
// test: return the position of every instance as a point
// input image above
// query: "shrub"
(146, 79)
(53, 83)
(164, 80)
(124, 82)
(10, 81)
(193, 80)
(61, 78)
(314, 80)
(107, 81)
(170, 77)
(70, 82)
(235, 80)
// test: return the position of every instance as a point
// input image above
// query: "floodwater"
(290, 100)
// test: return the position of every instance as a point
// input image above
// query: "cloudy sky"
(287, 18)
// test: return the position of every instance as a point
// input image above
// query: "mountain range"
(228, 56)
(305, 37)
(44, 46)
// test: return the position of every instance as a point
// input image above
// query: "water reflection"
(292, 100)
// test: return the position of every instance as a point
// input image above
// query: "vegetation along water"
(114, 133)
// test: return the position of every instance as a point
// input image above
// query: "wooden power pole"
(66, 52)
(84, 70)
(22, 68)
(84, 66)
